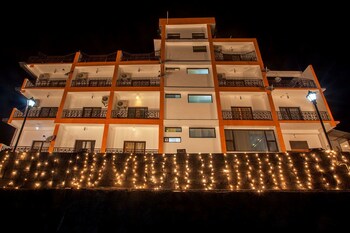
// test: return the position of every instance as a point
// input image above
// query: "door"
(242, 113)
(291, 113)
(137, 112)
(39, 146)
(134, 147)
(84, 145)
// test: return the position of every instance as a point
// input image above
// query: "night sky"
(290, 38)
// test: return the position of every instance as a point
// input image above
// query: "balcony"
(43, 112)
(291, 82)
(248, 115)
(227, 82)
(42, 58)
(302, 116)
(73, 150)
(139, 82)
(86, 112)
(136, 113)
(136, 151)
(98, 58)
(153, 56)
(47, 83)
(249, 56)
(100, 82)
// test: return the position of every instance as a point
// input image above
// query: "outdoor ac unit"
(82, 75)
(105, 100)
(122, 104)
(44, 76)
(125, 76)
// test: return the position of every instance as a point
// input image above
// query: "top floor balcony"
(153, 56)
(43, 58)
(98, 58)
(291, 82)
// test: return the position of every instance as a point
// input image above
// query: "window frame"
(177, 129)
(167, 139)
(176, 96)
(189, 95)
(201, 128)
(190, 69)
(200, 49)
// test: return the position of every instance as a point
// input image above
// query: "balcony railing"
(303, 116)
(153, 56)
(220, 56)
(120, 150)
(223, 82)
(84, 113)
(254, 115)
(97, 58)
(73, 150)
(123, 113)
(101, 82)
(44, 112)
(152, 82)
(31, 149)
(291, 82)
(42, 58)
(47, 83)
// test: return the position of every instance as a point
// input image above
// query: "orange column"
(217, 92)
(104, 138)
(161, 92)
(52, 143)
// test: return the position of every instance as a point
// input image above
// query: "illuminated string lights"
(228, 171)
(271, 172)
(307, 171)
(294, 171)
(283, 184)
(238, 174)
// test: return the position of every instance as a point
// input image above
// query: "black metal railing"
(151, 82)
(84, 113)
(31, 149)
(43, 58)
(153, 56)
(304, 116)
(44, 112)
(220, 56)
(101, 82)
(73, 150)
(47, 83)
(98, 58)
(254, 115)
(291, 82)
(120, 150)
(223, 82)
(123, 113)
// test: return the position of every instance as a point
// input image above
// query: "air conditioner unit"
(44, 76)
(105, 100)
(82, 75)
(125, 76)
(122, 103)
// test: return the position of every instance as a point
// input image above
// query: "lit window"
(198, 35)
(197, 71)
(199, 49)
(173, 129)
(171, 69)
(193, 98)
(202, 133)
(173, 96)
(173, 36)
(172, 139)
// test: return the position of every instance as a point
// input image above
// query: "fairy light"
(307, 171)
(262, 185)
(134, 172)
(212, 172)
(176, 172)
(321, 170)
(249, 172)
(271, 172)
(293, 169)
(187, 173)
(153, 172)
(238, 174)
(122, 175)
(280, 172)
(227, 171)
(164, 171)
(201, 172)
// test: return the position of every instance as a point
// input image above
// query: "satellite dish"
(50, 138)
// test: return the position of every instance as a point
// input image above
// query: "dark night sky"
(290, 37)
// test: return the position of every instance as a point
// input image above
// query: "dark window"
(197, 71)
(250, 140)
(199, 49)
(173, 36)
(48, 112)
(92, 112)
(172, 139)
(202, 133)
(134, 147)
(173, 129)
(173, 96)
(84, 145)
(171, 69)
(197, 98)
(137, 112)
(295, 145)
(38, 146)
(242, 113)
(291, 113)
(198, 35)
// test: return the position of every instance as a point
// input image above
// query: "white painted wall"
(67, 134)
(192, 145)
(311, 136)
(148, 99)
(51, 101)
(187, 30)
(84, 99)
(95, 72)
(258, 102)
(236, 47)
(181, 78)
(296, 100)
(117, 134)
(184, 51)
(30, 134)
(240, 71)
(181, 109)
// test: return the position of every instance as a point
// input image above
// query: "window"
(84, 145)
(48, 112)
(173, 96)
(173, 36)
(198, 35)
(199, 49)
(92, 112)
(242, 113)
(250, 140)
(295, 145)
(172, 139)
(171, 69)
(290, 113)
(202, 133)
(137, 112)
(134, 147)
(197, 71)
(193, 98)
(173, 129)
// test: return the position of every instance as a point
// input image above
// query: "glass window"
(198, 35)
(202, 133)
(171, 69)
(197, 71)
(199, 49)
(173, 96)
(173, 129)
(192, 98)
(172, 139)
(173, 36)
